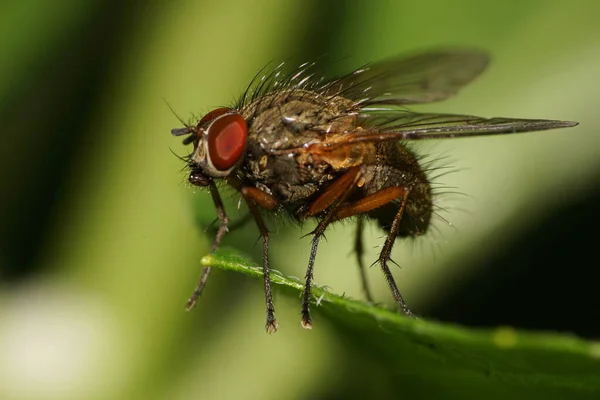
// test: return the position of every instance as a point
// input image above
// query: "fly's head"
(219, 140)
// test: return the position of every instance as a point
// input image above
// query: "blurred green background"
(99, 233)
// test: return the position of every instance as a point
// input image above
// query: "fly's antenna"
(185, 131)
(176, 116)
(182, 131)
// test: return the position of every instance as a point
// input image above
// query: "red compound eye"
(227, 140)
(214, 114)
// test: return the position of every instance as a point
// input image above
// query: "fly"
(331, 149)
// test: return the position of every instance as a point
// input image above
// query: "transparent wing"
(403, 125)
(420, 78)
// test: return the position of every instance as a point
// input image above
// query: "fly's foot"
(383, 261)
(191, 303)
(306, 322)
(272, 325)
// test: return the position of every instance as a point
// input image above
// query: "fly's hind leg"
(371, 202)
(385, 256)
(359, 251)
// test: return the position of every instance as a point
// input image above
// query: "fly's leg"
(329, 200)
(359, 251)
(372, 202)
(223, 221)
(253, 198)
(332, 195)
(264, 200)
(233, 226)
(318, 233)
(386, 252)
(261, 198)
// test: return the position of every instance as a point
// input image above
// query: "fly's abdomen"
(397, 166)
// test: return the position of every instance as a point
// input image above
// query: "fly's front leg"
(223, 221)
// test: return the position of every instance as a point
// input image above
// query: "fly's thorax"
(341, 158)
(283, 176)
(268, 168)
(279, 125)
(294, 118)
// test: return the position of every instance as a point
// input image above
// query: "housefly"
(331, 149)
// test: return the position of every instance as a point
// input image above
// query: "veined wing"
(419, 78)
(403, 125)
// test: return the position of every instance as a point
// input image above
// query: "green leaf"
(394, 355)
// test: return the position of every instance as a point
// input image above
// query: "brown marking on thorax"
(341, 157)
